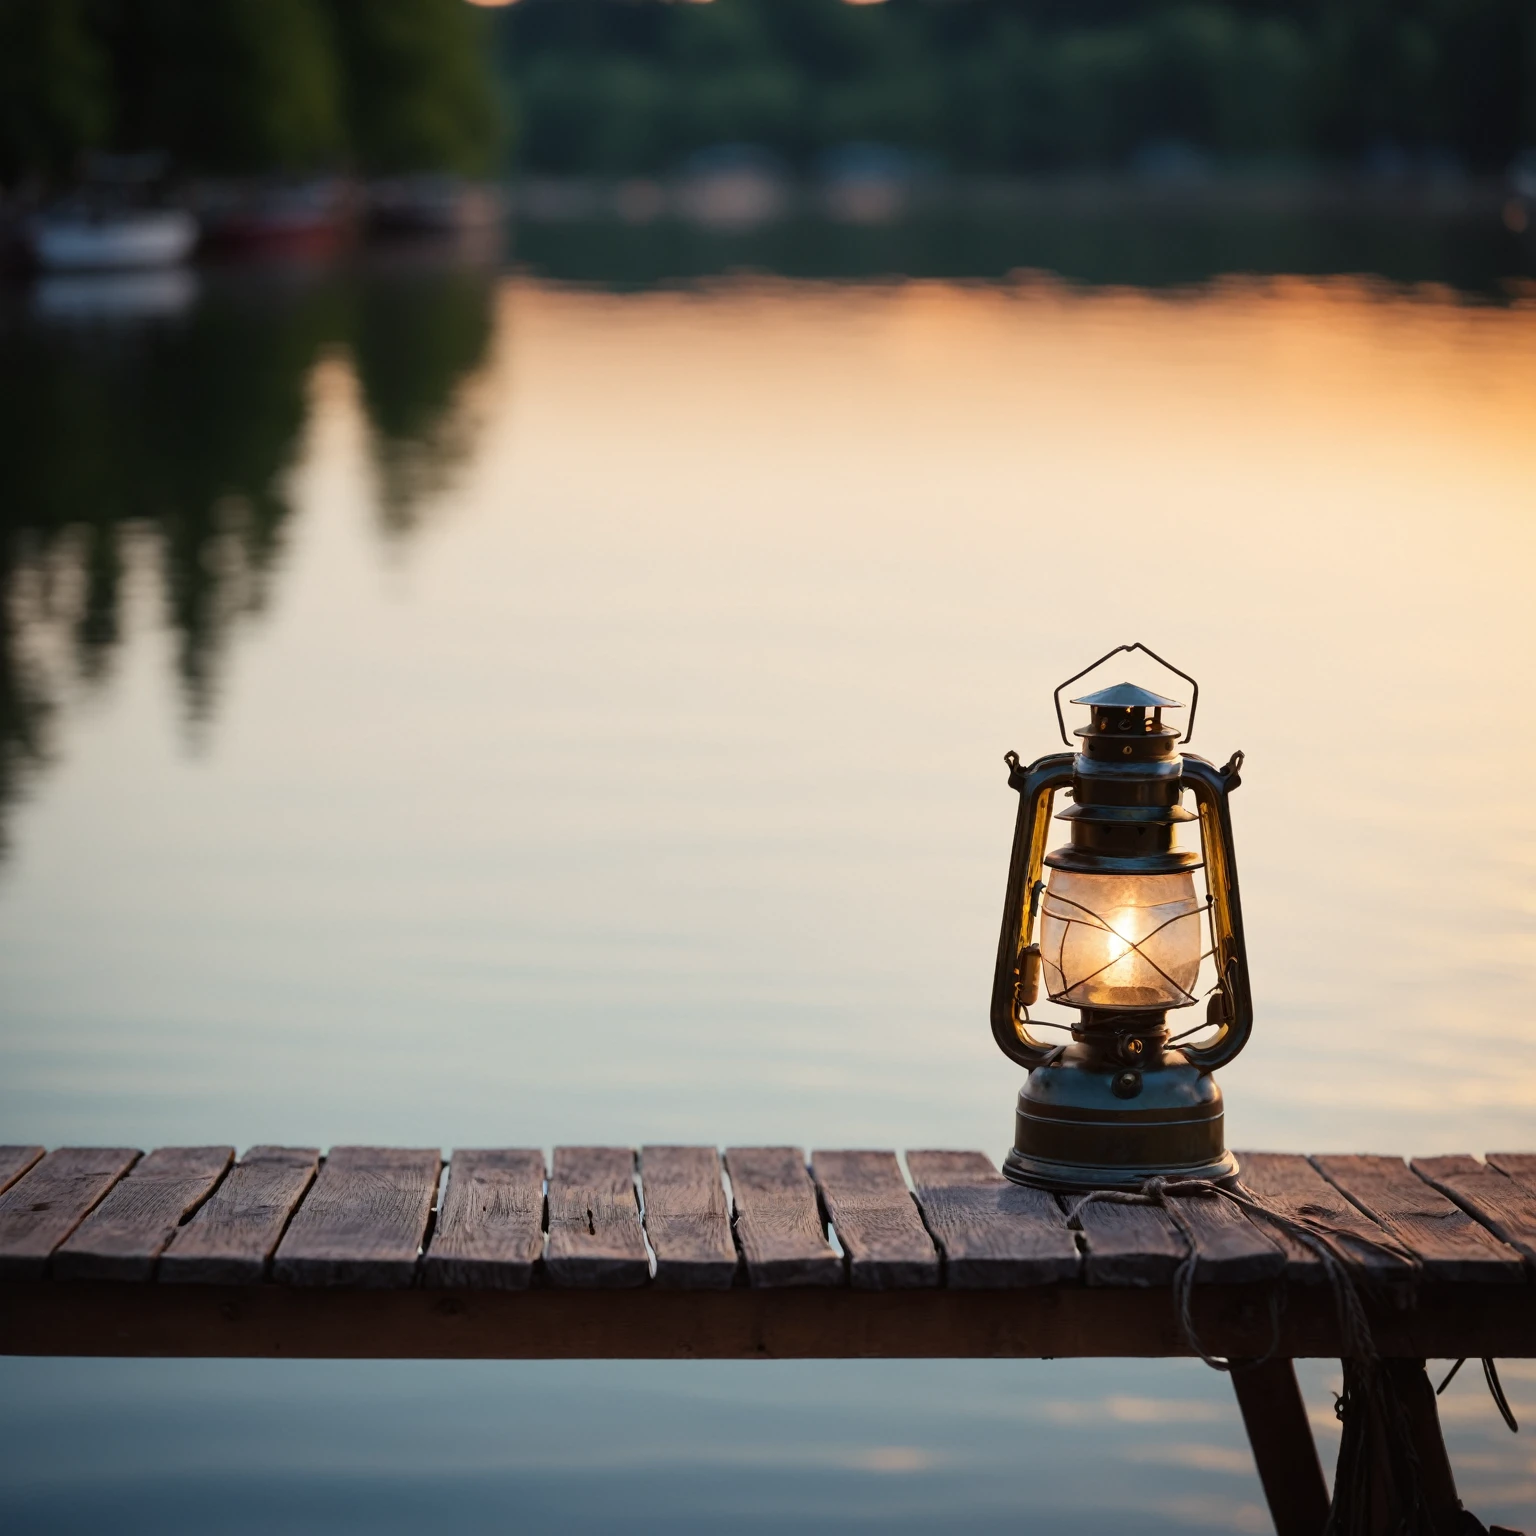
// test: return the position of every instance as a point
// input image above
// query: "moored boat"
(83, 238)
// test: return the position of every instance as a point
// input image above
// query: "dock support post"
(1283, 1448)
(1436, 1479)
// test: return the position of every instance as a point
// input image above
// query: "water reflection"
(153, 421)
(416, 337)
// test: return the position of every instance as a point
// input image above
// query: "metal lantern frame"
(1125, 1099)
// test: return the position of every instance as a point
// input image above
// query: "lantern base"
(1082, 1124)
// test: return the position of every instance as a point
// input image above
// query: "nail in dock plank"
(1493, 1198)
(687, 1218)
(50, 1200)
(1446, 1241)
(123, 1237)
(14, 1161)
(993, 1233)
(778, 1223)
(231, 1239)
(876, 1219)
(595, 1241)
(1287, 1181)
(363, 1220)
(490, 1229)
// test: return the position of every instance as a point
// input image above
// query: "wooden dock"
(676, 1252)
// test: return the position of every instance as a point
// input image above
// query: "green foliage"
(419, 96)
(248, 86)
(1018, 85)
(55, 101)
(245, 85)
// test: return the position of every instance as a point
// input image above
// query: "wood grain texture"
(1520, 1166)
(992, 1232)
(868, 1203)
(127, 1232)
(230, 1241)
(363, 1221)
(1284, 1452)
(1287, 1181)
(687, 1218)
(1488, 1196)
(1128, 1245)
(1447, 1242)
(595, 1240)
(14, 1161)
(1140, 1245)
(490, 1230)
(778, 1222)
(1229, 1248)
(50, 1200)
(826, 1322)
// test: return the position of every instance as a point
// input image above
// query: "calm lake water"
(446, 705)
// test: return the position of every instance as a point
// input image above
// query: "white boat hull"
(155, 239)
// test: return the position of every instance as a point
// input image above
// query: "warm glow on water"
(649, 785)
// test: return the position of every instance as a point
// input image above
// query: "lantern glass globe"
(1120, 941)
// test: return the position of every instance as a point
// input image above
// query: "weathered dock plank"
(687, 1218)
(14, 1161)
(1128, 1245)
(490, 1229)
(1289, 1182)
(127, 1232)
(1448, 1243)
(1520, 1166)
(231, 1239)
(778, 1222)
(363, 1220)
(1489, 1196)
(876, 1219)
(50, 1200)
(992, 1232)
(595, 1239)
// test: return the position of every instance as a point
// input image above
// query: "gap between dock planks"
(876, 1220)
(490, 1225)
(1488, 1195)
(231, 1239)
(595, 1237)
(363, 1221)
(1289, 1182)
(1447, 1243)
(778, 1219)
(687, 1218)
(51, 1199)
(178, 1215)
(126, 1233)
(993, 1234)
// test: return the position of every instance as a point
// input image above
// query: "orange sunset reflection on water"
(618, 758)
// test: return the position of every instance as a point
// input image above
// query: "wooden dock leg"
(1283, 1448)
(1435, 1476)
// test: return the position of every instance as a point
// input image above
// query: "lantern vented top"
(1127, 696)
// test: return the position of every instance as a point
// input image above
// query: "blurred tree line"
(623, 86)
(243, 86)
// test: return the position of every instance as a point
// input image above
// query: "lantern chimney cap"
(1127, 696)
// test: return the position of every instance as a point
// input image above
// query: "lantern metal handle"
(1232, 1004)
(1135, 645)
(1037, 785)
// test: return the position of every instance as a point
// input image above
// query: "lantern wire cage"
(1208, 907)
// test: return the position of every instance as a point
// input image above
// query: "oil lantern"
(1112, 924)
